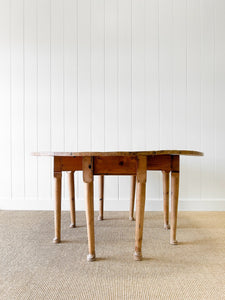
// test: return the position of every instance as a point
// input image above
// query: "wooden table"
(117, 163)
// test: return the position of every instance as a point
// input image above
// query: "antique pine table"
(117, 163)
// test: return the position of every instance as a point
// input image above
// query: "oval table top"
(121, 153)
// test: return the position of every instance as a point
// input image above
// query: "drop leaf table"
(117, 163)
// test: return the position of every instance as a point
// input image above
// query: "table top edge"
(120, 153)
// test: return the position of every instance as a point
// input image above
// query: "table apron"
(117, 165)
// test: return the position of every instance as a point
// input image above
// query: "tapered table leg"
(72, 199)
(90, 220)
(101, 197)
(166, 199)
(57, 183)
(174, 206)
(87, 165)
(132, 198)
(140, 206)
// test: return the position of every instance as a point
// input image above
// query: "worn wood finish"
(57, 215)
(123, 153)
(71, 163)
(141, 168)
(132, 198)
(119, 163)
(58, 164)
(166, 176)
(175, 163)
(115, 165)
(140, 205)
(159, 162)
(88, 182)
(72, 198)
(101, 198)
(174, 205)
(87, 165)
(90, 220)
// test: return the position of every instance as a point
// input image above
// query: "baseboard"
(113, 205)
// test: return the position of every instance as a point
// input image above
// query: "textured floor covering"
(32, 267)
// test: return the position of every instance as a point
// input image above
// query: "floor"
(32, 267)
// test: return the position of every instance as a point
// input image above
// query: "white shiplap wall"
(111, 75)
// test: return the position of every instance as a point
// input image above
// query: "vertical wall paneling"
(152, 90)
(152, 73)
(166, 103)
(194, 96)
(124, 88)
(84, 80)
(207, 97)
(70, 74)
(179, 74)
(70, 80)
(219, 139)
(124, 75)
(5, 101)
(17, 98)
(84, 75)
(57, 79)
(179, 116)
(97, 74)
(109, 75)
(97, 77)
(166, 72)
(138, 75)
(57, 76)
(111, 89)
(44, 99)
(30, 97)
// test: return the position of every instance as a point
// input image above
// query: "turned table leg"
(166, 199)
(174, 206)
(57, 183)
(132, 197)
(140, 206)
(101, 197)
(88, 181)
(72, 198)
